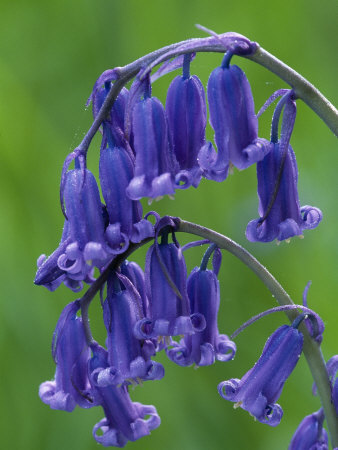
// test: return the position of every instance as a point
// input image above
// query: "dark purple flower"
(233, 118)
(129, 357)
(136, 275)
(204, 347)
(285, 217)
(155, 164)
(124, 420)
(187, 118)
(169, 310)
(277, 174)
(117, 112)
(71, 353)
(262, 385)
(87, 247)
(310, 434)
(125, 215)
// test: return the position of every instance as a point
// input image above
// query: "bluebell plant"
(148, 151)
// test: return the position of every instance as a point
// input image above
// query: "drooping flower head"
(187, 118)
(281, 216)
(233, 118)
(155, 164)
(204, 347)
(124, 420)
(128, 357)
(262, 385)
(310, 434)
(166, 278)
(70, 386)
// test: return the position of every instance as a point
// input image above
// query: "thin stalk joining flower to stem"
(311, 348)
(303, 89)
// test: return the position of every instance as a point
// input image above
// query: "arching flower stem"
(311, 348)
(303, 89)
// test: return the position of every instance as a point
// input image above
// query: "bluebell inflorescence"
(148, 150)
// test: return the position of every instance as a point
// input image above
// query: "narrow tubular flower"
(136, 275)
(233, 119)
(70, 386)
(277, 175)
(204, 347)
(128, 356)
(262, 385)
(169, 312)
(187, 118)
(310, 434)
(155, 164)
(86, 226)
(116, 169)
(124, 420)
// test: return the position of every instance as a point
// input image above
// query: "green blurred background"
(50, 56)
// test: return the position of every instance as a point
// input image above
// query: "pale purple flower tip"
(262, 385)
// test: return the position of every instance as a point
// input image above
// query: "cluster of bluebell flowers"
(148, 150)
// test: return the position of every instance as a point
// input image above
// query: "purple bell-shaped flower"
(281, 216)
(129, 357)
(169, 310)
(310, 434)
(204, 347)
(136, 275)
(262, 385)
(49, 273)
(155, 164)
(70, 386)
(233, 118)
(125, 215)
(86, 226)
(117, 112)
(124, 420)
(187, 118)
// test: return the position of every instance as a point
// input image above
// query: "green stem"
(311, 349)
(302, 87)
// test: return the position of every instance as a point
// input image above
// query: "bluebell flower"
(50, 274)
(117, 113)
(204, 347)
(128, 357)
(87, 247)
(136, 275)
(187, 118)
(155, 164)
(262, 385)
(233, 118)
(71, 353)
(116, 170)
(281, 216)
(124, 420)
(310, 434)
(169, 309)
